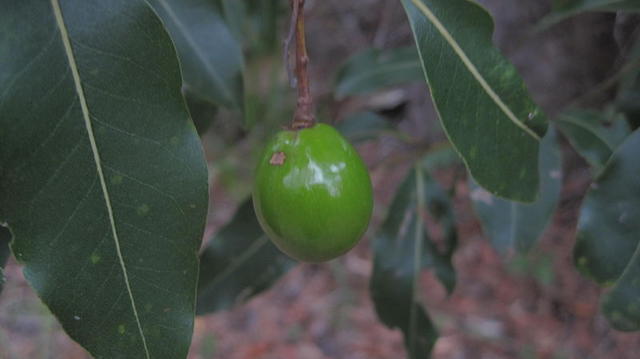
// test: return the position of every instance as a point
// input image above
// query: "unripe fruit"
(312, 194)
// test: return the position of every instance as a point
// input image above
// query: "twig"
(287, 45)
(303, 117)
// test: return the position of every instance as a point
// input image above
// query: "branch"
(303, 117)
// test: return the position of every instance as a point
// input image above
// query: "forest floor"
(534, 306)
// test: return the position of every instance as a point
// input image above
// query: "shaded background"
(534, 306)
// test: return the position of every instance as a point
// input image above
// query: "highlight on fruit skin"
(312, 194)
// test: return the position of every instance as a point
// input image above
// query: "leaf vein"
(120, 97)
(24, 69)
(472, 68)
(123, 58)
(94, 147)
(147, 139)
(154, 188)
(44, 142)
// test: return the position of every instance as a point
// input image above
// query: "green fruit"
(312, 194)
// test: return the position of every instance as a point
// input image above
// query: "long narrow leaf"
(399, 253)
(238, 263)
(210, 55)
(589, 136)
(517, 226)
(439, 256)
(608, 244)
(481, 100)
(628, 97)
(102, 177)
(564, 9)
(374, 69)
(609, 224)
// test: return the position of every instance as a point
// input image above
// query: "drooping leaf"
(439, 255)
(481, 100)
(441, 209)
(255, 23)
(628, 97)
(263, 30)
(621, 306)
(234, 13)
(609, 223)
(363, 126)
(589, 136)
(102, 177)
(628, 101)
(373, 69)
(591, 5)
(563, 9)
(608, 241)
(202, 112)
(399, 254)
(238, 263)
(512, 225)
(5, 252)
(210, 56)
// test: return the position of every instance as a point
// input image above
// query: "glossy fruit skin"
(313, 194)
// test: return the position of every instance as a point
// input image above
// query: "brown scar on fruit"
(278, 159)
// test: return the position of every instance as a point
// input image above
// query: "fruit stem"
(303, 117)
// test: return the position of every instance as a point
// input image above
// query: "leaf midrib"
(471, 67)
(96, 155)
(417, 253)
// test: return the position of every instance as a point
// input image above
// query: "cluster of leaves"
(103, 184)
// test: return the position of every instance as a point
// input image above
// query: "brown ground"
(501, 308)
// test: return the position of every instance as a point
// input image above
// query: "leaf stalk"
(303, 116)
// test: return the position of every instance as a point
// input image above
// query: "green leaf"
(628, 97)
(439, 255)
(589, 136)
(563, 9)
(261, 21)
(263, 24)
(628, 101)
(238, 263)
(440, 157)
(481, 100)
(608, 244)
(234, 12)
(5, 252)
(609, 223)
(373, 69)
(202, 113)
(363, 126)
(254, 23)
(511, 225)
(210, 56)
(591, 5)
(399, 254)
(102, 177)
